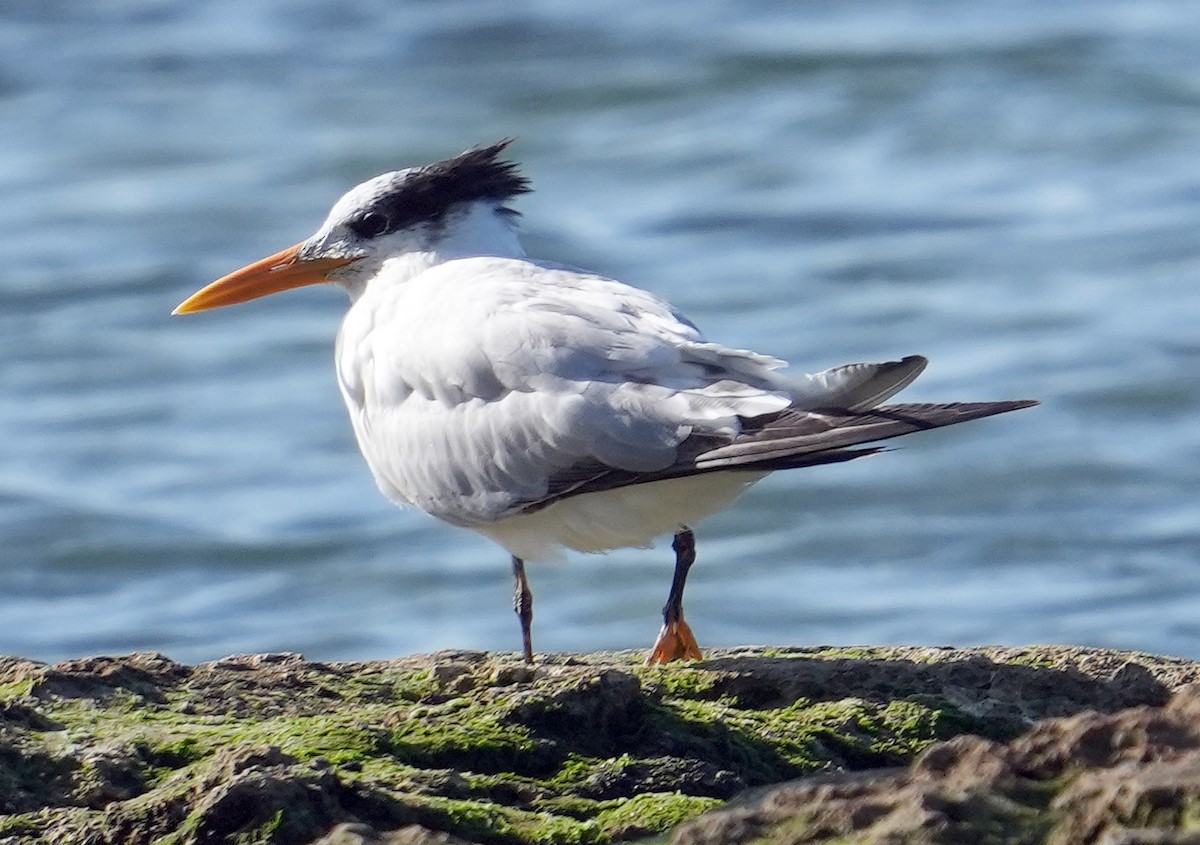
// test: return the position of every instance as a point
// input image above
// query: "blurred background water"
(1012, 190)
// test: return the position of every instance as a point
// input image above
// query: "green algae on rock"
(579, 749)
(1131, 777)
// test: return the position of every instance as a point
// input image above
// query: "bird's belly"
(613, 519)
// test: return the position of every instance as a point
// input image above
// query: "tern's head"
(448, 209)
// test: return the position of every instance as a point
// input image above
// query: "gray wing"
(787, 440)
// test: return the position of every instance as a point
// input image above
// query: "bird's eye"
(370, 225)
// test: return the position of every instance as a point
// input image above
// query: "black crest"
(426, 194)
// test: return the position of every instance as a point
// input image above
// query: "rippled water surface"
(1012, 191)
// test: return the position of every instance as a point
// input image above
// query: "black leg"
(684, 545)
(523, 605)
(675, 640)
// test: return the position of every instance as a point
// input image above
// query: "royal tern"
(550, 408)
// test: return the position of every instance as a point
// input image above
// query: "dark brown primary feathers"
(788, 440)
(794, 434)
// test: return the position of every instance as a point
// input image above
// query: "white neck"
(481, 229)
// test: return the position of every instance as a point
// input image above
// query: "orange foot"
(675, 642)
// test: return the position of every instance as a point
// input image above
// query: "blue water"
(1013, 191)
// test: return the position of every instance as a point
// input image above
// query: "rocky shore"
(765, 745)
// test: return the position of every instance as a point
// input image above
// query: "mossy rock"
(578, 749)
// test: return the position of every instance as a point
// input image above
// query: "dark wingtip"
(1018, 404)
(935, 415)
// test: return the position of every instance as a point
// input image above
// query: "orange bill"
(281, 271)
